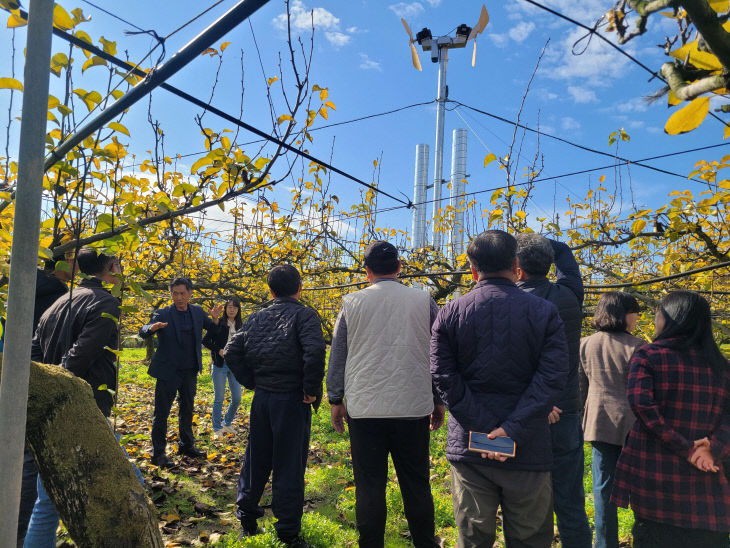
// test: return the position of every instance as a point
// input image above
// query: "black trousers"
(28, 494)
(651, 534)
(184, 385)
(407, 441)
(278, 441)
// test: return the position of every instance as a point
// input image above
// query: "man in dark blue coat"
(535, 255)
(499, 362)
(176, 365)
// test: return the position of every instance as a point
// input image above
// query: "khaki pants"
(526, 499)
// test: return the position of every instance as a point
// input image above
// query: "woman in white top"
(228, 324)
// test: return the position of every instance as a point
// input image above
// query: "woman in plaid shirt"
(673, 470)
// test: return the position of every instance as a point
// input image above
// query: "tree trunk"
(87, 476)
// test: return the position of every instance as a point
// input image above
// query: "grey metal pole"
(23, 264)
(418, 233)
(438, 171)
(225, 23)
(458, 174)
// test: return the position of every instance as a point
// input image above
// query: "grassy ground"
(196, 500)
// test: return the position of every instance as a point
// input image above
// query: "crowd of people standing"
(505, 360)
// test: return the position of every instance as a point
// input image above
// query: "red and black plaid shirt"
(676, 401)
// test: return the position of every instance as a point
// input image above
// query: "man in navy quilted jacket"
(499, 361)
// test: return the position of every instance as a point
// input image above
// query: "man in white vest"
(379, 381)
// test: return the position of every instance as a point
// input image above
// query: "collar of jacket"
(93, 283)
(495, 281)
(286, 300)
(533, 281)
(378, 280)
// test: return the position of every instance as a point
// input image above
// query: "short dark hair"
(284, 280)
(611, 311)
(492, 251)
(534, 254)
(181, 281)
(93, 262)
(381, 257)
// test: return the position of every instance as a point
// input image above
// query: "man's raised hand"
(157, 326)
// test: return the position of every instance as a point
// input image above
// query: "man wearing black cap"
(379, 381)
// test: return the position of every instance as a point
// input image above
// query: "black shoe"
(250, 529)
(162, 461)
(295, 542)
(192, 452)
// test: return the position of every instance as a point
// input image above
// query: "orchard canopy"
(225, 214)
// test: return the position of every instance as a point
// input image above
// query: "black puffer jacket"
(279, 349)
(48, 288)
(567, 295)
(82, 350)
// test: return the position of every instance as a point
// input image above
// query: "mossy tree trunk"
(85, 472)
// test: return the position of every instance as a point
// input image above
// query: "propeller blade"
(474, 54)
(414, 57)
(481, 23)
(408, 29)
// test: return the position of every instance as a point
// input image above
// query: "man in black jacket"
(279, 351)
(75, 332)
(50, 284)
(535, 255)
(176, 365)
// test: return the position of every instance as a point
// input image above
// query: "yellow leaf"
(108, 46)
(272, 80)
(210, 51)
(315, 87)
(11, 83)
(637, 226)
(720, 6)
(204, 161)
(61, 18)
(700, 59)
(489, 158)
(260, 163)
(672, 99)
(283, 118)
(602, 178)
(323, 94)
(375, 163)
(323, 113)
(689, 117)
(119, 127)
(15, 21)
(726, 132)
(224, 45)
(92, 62)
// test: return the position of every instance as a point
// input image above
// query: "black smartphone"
(478, 441)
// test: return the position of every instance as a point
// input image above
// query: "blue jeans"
(568, 493)
(44, 519)
(605, 456)
(219, 375)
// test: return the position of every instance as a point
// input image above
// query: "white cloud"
(582, 95)
(368, 64)
(301, 19)
(352, 30)
(499, 40)
(569, 124)
(521, 31)
(337, 38)
(434, 3)
(405, 10)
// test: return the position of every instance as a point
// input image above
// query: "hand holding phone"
(495, 446)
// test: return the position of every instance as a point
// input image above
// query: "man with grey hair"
(535, 256)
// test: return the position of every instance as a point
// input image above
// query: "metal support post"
(418, 232)
(438, 171)
(23, 264)
(458, 175)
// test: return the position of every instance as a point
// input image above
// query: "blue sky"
(361, 55)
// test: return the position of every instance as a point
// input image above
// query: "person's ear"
(474, 273)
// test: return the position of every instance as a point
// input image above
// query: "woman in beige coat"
(607, 419)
